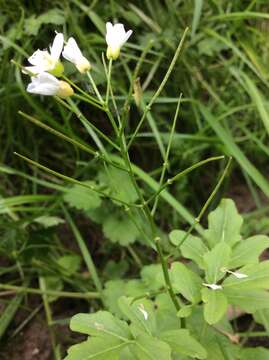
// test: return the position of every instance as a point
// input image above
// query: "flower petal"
(57, 46)
(71, 51)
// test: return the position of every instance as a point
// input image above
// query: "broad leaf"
(140, 313)
(258, 353)
(248, 251)
(185, 311)
(101, 323)
(215, 261)
(224, 224)
(194, 249)
(149, 348)
(215, 305)
(177, 236)
(186, 282)
(182, 342)
(257, 278)
(152, 276)
(97, 348)
(120, 230)
(119, 184)
(248, 300)
(82, 197)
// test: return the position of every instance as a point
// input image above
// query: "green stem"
(89, 98)
(182, 173)
(95, 87)
(108, 81)
(208, 201)
(165, 163)
(86, 148)
(71, 180)
(56, 349)
(67, 294)
(125, 156)
(91, 128)
(159, 90)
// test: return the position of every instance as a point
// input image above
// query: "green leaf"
(120, 230)
(48, 221)
(82, 198)
(182, 342)
(257, 277)
(224, 224)
(70, 263)
(165, 314)
(258, 100)
(114, 289)
(99, 348)
(194, 249)
(147, 347)
(152, 276)
(177, 236)
(54, 283)
(185, 311)
(215, 305)
(140, 313)
(247, 300)
(248, 251)
(186, 282)
(215, 260)
(258, 353)
(33, 23)
(119, 184)
(101, 323)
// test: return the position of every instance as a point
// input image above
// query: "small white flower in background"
(237, 274)
(142, 309)
(213, 286)
(47, 84)
(42, 60)
(72, 53)
(116, 37)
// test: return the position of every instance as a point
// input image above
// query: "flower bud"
(57, 70)
(64, 90)
(112, 54)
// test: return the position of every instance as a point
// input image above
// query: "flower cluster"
(46, 65)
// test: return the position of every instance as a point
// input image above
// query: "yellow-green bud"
(112, 53)
(65, 90)
(57, 70)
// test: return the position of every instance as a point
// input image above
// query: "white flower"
(42, 60)
(237, 274)
(116, 37)
(72, 53)
(213, 286)
(142, 309)
(47, 84)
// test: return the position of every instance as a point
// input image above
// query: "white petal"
(38, 58)
(71, 51)
(116, 36)
(109, 27)
(44, 84)
(239, 275)
(127, 35)
(57, 46)
(143, 311)
(32, 70)
(213, 286)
